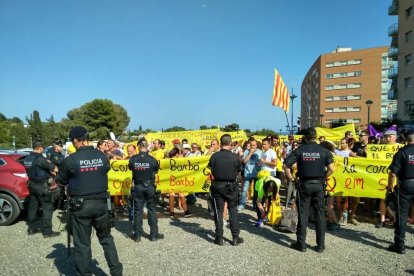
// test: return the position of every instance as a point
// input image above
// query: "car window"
(2, 162)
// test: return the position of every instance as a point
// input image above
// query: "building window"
(343, 109)
(408, 82)
(409, 12)
(343, 63)
(408, 59)
(343, 98)
(408, 36)
(408, 106)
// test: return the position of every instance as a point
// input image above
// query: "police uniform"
(85, 174)
(403, 166)
(312, 160)
(225, 167)
(144, 167)
(57, 159)
(38, 168)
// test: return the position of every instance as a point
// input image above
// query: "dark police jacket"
(85, 172)
(56, 158)
(312, 160)
(37, 167)
(144, 167)
(403, 163)
(225, 166)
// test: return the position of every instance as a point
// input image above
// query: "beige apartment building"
(402, 52)
(347, 85)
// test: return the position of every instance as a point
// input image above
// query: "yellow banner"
(382, 151)
(176, 175)
(335, 134)
(359, 177)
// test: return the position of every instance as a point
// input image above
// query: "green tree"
(203, 127)
(231, 127)
(35, 126)
(174, 128)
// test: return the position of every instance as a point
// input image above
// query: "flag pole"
(287, 120)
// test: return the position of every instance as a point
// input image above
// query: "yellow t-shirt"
(157, 154)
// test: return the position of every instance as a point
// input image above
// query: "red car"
(13, 187)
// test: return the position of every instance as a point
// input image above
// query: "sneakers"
(297, 247)
(397, 249)
(219, 241)
(379, 224)
(237, 241)
(353, 221)
(259, 223)
(157, 237)
(240, 207)
(187, 214)
(31, 231)
(50, 234)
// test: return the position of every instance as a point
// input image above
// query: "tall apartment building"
(339, 85)
(402, 52)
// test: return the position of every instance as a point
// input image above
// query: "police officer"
(225, 167)
(56, 156)
(85, 174)
(402, 166)
(144, 167)
(38, 170)
(314, 163)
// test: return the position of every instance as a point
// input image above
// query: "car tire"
(9, 210)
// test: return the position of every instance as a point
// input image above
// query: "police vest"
(407, 164)
(144, 167)
(90, 172)
(312, 161)
(55, 158)
(34, 172)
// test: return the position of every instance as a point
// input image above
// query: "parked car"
(13, 187)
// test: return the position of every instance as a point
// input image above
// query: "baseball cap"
(176, 141)
(77, 131)
(390, 132)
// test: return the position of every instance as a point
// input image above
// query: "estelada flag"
(280, 93)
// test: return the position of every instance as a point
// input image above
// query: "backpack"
(289, 221)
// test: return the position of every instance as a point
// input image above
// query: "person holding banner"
(315, 164)
(225, 167)
(402, 166)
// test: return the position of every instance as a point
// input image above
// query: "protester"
(268, 161)
(194, 150)
(266, 187)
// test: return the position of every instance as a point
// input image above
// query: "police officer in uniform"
(315, 163)
(85, 174)
(38, 170)
(56, 156)
(144, 168)
(225, 167)
(402, 166)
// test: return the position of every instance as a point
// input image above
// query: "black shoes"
(136, 238)
(297, 247)
(379, 224)
(237, 241)
(187, 214)
(31, 231)
(157, 237)
(50, 234)
(319, 248)
(219, 241)
(397, 249)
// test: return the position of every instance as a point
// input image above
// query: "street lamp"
(321, 116)
(369, 103)
(14, 142)
(292, 97)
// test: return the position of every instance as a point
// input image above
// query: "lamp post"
(14, 142)
(369, 103)
(292, 97)
(321, 116)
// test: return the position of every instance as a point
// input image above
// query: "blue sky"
(184, 62)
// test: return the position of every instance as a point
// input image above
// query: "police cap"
(58, 142)
(77, 131)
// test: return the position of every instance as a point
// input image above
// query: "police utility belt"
(145, 183)
(230, 185)
(76, 202)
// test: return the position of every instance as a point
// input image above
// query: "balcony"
(393, 53)
(393, 30)
(393, 72)
(393, 94)
(393, 8)
(394, 42)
